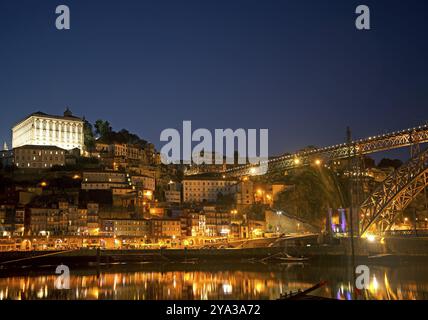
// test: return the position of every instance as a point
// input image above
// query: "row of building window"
(23, 158)
(213, 183)
(36, 165)
(28, 151)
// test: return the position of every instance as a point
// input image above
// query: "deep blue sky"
(299, 68)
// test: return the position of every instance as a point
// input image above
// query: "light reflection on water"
(233, 282)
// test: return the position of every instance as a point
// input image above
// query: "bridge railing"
(388, 141)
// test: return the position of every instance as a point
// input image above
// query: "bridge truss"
(379, 211)
(404, 138)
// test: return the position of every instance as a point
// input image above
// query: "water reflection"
(221, 282)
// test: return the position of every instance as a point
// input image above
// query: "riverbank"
(291, 254)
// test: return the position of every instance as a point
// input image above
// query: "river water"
(216, 281)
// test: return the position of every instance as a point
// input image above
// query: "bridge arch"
(381, 208)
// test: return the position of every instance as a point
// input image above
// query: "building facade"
(166, 228)
(244, 193)
(144, 182)
(38, 157)
(193, 224)
(41, 129)
(205, 189)
(104, 180)
(6, 158)
(127, 151)
(217, 223)
(172, 196)
(125, 227)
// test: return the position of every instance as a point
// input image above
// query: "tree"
(255, 212)
(102, 128)
(89, 138)
(226, 201)
(314, 191)
(388, 163)
(369, 162)
(106, 134)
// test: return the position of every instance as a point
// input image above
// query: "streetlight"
(318, 162)
(296, 161)
(371, 238)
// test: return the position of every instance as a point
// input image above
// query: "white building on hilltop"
(41, 129)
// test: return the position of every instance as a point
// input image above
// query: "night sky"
(299, 68)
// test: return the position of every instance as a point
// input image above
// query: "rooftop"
(68, 115)
(30, 146)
